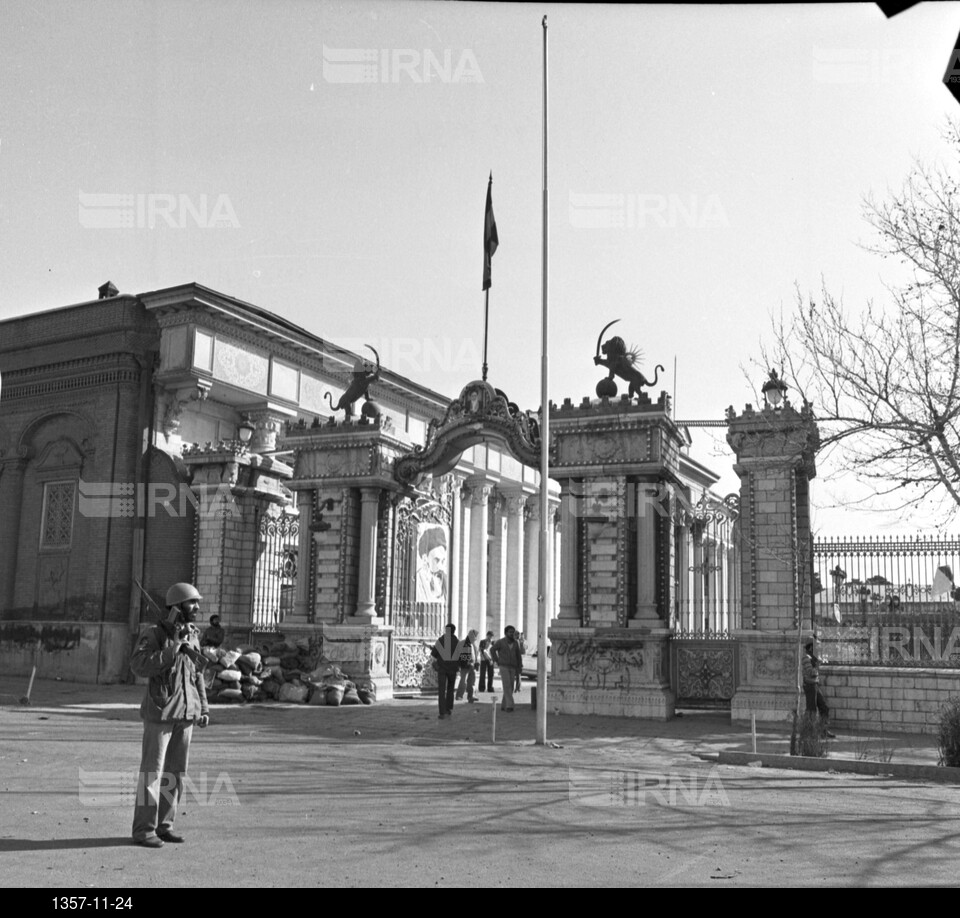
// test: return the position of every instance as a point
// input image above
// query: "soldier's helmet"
(181, 592)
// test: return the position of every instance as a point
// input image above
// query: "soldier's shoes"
(170, 837)
(151, 841)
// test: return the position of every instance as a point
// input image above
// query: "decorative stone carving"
(480, 412)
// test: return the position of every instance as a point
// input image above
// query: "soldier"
(169, 656)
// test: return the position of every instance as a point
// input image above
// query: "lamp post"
(245, 431)
(774, 391)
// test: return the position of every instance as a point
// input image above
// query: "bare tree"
(885, 382)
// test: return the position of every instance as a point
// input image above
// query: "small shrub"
(885, 750)
(949, 738)
(809, 735)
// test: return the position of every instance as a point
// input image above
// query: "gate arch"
(479, 414)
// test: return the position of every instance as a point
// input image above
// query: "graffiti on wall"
(598, 666)
(54, 638)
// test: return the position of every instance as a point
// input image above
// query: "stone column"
(303, 602)
(497, 576)
(647, 533)
(610, 650)
(367, 567)
(531, 539)
(477, 598)
(514, 600)
(467, 574)
(556, 550)
(698, 616)
(775, 451)
(453, 558)
(570, 546)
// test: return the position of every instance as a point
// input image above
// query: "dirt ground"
(387, 795)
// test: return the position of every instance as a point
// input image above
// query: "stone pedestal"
(768, 676)
(611, 671)
(775, 451)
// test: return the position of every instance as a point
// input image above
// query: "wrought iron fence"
(699, 620)
(275, 572)
(420, 619)
(888, 601)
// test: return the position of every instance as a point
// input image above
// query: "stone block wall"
(906, 700)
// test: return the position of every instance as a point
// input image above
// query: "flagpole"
(486, 324)
(544, 589)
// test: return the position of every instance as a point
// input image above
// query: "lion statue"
(621, 362)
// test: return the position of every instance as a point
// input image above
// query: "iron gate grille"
(275, 575)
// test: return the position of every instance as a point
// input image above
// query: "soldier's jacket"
(175, 690)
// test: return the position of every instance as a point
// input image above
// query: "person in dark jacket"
(486, 664)
(507, 655)
(447, 654)
(168, 656)
(810, 665)
(214, 635)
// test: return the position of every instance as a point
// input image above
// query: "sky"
(329, 162)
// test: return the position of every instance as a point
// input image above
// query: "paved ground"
(388, 795)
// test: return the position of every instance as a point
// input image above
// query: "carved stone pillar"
(647, 534)
(514, 600)
(775, 452)
(531, 538)
(610, 651)
(303, 601)
(698, 610)
(570, 547)
(453, 559)
(367, 568)
(467, 573)
(477, 599)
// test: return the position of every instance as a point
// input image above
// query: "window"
(57, 525)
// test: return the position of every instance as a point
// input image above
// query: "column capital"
(268, 421)
(479, 491)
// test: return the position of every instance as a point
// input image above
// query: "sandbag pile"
(285, 671)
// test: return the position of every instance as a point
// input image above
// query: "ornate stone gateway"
(376, 551)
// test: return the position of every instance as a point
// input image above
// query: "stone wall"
(901, 700)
